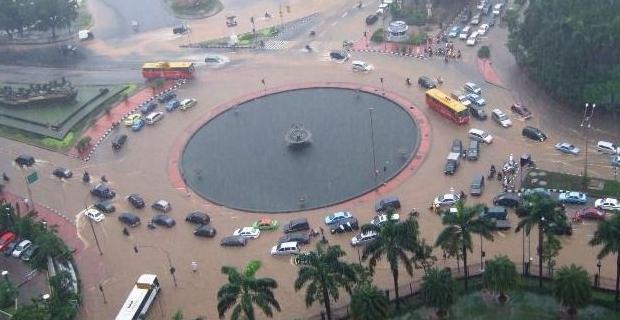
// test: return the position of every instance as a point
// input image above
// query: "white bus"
(140, 298)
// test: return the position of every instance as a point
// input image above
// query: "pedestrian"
(5, 177)
(126, 232)
(194, 266)
(27, 203)
(104, 179)
(322, 232)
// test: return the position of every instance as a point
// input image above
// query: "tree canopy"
(21, 15)
(571, 48)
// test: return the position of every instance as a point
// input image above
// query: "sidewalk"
(486, 68)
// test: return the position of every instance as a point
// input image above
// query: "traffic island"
(194, 9)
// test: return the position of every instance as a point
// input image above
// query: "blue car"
(541, 191)
(454, 32)
(138, 124)
(173, 105)
(476, 99)
(337, 217)
(572, 197)
(567, 148)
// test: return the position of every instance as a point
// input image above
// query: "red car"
(589, 213)
(6, 238)
(521, 110)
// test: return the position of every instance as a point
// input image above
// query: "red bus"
(448, 107)
(168, 70)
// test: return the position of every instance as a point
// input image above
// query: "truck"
(452, 163)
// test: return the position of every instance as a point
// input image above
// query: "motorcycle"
(492, 172)
(86, 177)
(408, 81)
(308, 48)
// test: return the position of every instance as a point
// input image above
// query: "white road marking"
(345, 14)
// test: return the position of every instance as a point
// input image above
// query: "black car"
(10, 247)
(198, 218)
(457, 146)
(24, 160)
(119, 142)
(348, 225)
(426, 82)
(136, 201)
(105, 206)
(205, 231)
(371, 19)
(478, 113)
(534, 134)
(300, 224)
(180, 29)
(164, 220)
(62, 173)
(301, 238)
(129, 219)
(507, 200)
(450, 167)
(103, 192)
(389, 202)
(29, 253)
(148, 108)
(167, 97)
(339, 55)
(234, 241)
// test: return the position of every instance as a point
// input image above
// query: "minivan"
(473, 151)
(387, 203)
(300, 224)
(24, 160)
(465, 33)
(285, 248)
(501, 118)
(607, 147)
(477, 185)
(154, 117)
(534, 134)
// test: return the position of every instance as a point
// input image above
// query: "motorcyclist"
(408, 81)
(5, 177)
(86, 176)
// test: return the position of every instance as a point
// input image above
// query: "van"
(386, 203)
(534, 133)
(465, 33)
(154, 117)
(499, 213)
(363, 238)
(497, 9)
(607, 147)
(473, 151)
(477, 185)
(300, 224)
(25, 160)
(286, 248)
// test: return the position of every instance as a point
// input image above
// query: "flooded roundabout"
(300, 148)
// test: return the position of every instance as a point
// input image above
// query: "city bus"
(168, 70)
(447, 106)
(140, 298)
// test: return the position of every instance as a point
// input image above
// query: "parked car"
(62, 173)
(300, 238)
(521, 110)
(8, 249)
(610, 204)
(507, 199)
(131, 119)
(476, 100)
(477, 185)
(6, 238)
(173, 105)
(138, 124)
(162, 206)
(205, 231)
(371, 19)
(294, 225)
(475, 20)
(103, 192)
(501, 118)
(454, 32)
(541, 191)
(233, 241)
(479, 135)
(119, 141)
(590, 214)
(136, 201)
(473, 39)
(167, 97)
(361, 66)
(566, 147)
(94, 214)
(363, 238)
(465, 33)
(426, 82)
(187, 103)
(164, 220)
(607, 147)
(247, 232)
(382, 218)
(534, 133)
(573, 197)
(334, 218)
(129, 219)
(30, 253)
(25, 160)
(339, 55)
(286, 248)
(154, 117)
(472, 88)
(266, 224)
(148, 107)
(457, 146)
(452, 163)
(478, 112)
(445, 200)
(343, 226)
(198, 217)
(484, 28)
(461, 97)
(20, 248)
(387, 203)
(105, 206)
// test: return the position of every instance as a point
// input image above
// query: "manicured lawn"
(563, 181)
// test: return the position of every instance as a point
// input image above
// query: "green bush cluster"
(484, 52)
(55, 144)
(418, 38)
(378, 35)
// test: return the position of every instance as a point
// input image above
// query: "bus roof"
(165, 65)
(147, 278)
(446, 100)
(135, 298)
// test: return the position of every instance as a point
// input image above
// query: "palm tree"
(325, 274)
(369, 303)
(394, 240)
(243, 290)
(423, 257)
(500, 275)
(542, 211)
(438, 290)
(608, 235)
(572, 287)
(460, 227)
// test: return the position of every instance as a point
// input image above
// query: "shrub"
(83, 143)
(378, 35)
(418, 39)
(484, 52)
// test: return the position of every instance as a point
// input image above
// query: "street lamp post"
(540, 250)
(586, 124)
(598, 275)
(92, 227)
(523, 259)
(103, 294)
(372, 143)
(172, 269)
(481, 255)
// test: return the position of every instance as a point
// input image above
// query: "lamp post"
(372, 143)
(586, 124)
(91, 225)
(103, 294)
(598, 275)
(540, 250)
(5, 275)
(523, 259)
(172, 269)
(481, 255)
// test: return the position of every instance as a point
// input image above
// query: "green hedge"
(378, 35)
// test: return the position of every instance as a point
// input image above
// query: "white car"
(462, 99)
(187, 103)
(445, 200)
(154, 117)
(607, 147)
(501, 118)
(472, 88)
(247, 232)
(363, 238)
(480, 135)
(607, 204)
(362, 66)
(94, 214)
(473, 39)
(21, 247)
(382, 218)
(483, 29)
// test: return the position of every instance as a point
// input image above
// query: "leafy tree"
(551, 250)
(243, 290)
(63, 301)
(7, 294)
(572, 287)
(325, 274)
(541, 211)
(484, 52)
(423, 257)
(178, 315)
(394, 241)
(459, 229)
(55, 14)
(438, 290)
(369, 303)
(607, 234)
(34, 311)
(500, 275)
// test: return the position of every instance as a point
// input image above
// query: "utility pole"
(586, 124)
(372, 144)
